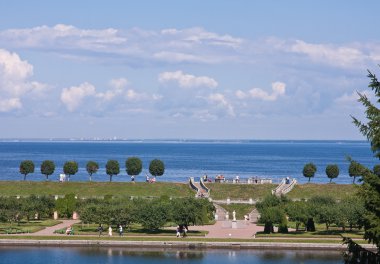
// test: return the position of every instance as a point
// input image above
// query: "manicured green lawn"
(306, 191)
(220, 191)
(95, 189)
(240, 209)
(26, 227)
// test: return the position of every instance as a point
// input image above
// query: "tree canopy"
(92, 167)
(47, 168)
(26, 167)
(309, 170)
(355, 169)
(112, 168)
(332, 171)
(70, 168)
(156, 167)
(133, 166)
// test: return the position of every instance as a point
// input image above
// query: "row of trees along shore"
(151, 214)
(332, 170)
(133, 167)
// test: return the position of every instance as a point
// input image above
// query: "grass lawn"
(306, 191)
(26, 227)
(95, 189)
(221, 191)
(240, 209)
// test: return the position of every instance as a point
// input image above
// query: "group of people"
(206, 178)
(182, 230)
(150, 180)
(119, 229)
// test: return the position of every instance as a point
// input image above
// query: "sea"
(189, 158)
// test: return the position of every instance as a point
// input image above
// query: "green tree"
(133, 166)
(191, 211)
(26, 167)
(271, 216)
(309, 170)
(66, 206)
(351, 209)
(376, 169)
(152, 215)
(47, 168)
(355, 169)
(156, 167)
(112, 168)
(92, 167)
(370, 189)
(70, 168)
(298, 212)
(332, 171)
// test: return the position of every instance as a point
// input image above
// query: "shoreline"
(177, 244)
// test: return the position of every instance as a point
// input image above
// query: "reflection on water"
(113, 255)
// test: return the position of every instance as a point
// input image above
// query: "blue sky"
(185, 69)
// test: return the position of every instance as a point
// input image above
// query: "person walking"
(120, 230)
(100, 230)
(110, 231)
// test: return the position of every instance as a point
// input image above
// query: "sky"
(186, 69)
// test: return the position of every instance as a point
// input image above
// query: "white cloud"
(7, 105)
(119, 83)
(14, 81)
(353, 97)
(187, 80)
(341, 56)
(72, 97)
(177, 46)
(220, 100)
(192, 45)
(278, 89)
(132, 95)
(117, 88)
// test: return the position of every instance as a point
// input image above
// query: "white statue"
(234, 216)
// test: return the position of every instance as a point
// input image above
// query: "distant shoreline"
(116, 140)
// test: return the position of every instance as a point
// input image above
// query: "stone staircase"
(254, 216)
(283, 188)
(220, 213)
(200, 188)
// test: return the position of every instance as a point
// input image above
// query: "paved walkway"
(223, 229)
(49, 231)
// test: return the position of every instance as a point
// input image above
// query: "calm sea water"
(266, 159)
(104, 255)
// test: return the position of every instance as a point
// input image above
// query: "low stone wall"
(176, 244)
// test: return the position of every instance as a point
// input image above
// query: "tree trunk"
(110, 178)
(309, 179)
(47, 177)
(330, 180)
(24, 177)
(91, 177)
(354, 179)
